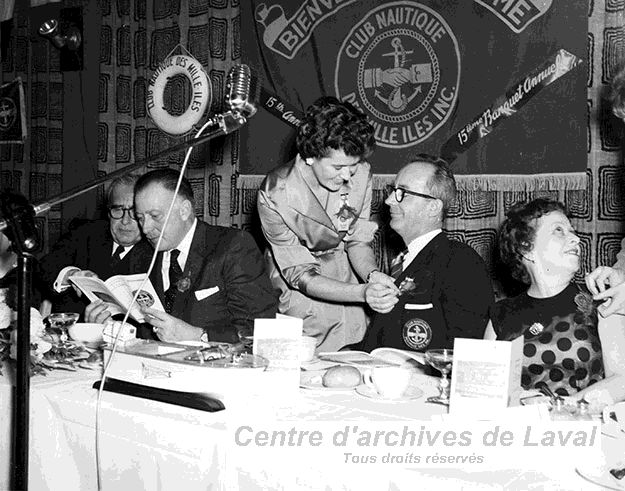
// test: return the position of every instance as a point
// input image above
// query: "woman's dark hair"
(517, 233)
(332, 124)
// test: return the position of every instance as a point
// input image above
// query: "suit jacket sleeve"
(467, 294)
(249, 291)
(292, 257)
(63, 253)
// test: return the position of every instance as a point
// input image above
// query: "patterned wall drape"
(136, 37)
(35, 167)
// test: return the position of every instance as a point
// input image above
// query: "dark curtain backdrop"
(81, 124)
(597, 211)
(421, 71)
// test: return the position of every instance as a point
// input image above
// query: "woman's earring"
(309, 161)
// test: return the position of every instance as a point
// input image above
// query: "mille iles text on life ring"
(200, 98)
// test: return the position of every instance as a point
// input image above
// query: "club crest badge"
(401, 65)
(417, 333)
(144, 299)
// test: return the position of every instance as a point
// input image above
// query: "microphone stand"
(19, 219)
(226, 123)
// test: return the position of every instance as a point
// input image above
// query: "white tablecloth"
(152, 446)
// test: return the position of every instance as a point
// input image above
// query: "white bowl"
(308, 346)
(86, 332)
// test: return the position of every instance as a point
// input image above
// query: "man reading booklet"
(118, 291)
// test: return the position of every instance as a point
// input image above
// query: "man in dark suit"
(445, 288)
(98, 248)
(211, 280)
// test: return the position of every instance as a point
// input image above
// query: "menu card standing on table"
(486, 377)
(279, 341)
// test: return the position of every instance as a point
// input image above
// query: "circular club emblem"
(417, 333)
(8, 113)
(401, 66)
(144, 299)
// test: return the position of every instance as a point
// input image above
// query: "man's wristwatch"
(369, 275)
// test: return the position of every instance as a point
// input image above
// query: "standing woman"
(314, 212)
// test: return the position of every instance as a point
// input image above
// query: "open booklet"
(119, 291)
(377, 358)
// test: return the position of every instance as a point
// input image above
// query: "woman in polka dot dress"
(557, 317)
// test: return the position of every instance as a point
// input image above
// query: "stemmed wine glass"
(58, 325)
(441, 359)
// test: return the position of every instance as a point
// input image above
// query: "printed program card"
(486, 377)
(279, 341)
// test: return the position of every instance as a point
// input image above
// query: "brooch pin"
(184, 283)
(584, 303)
(407, 285)
(346, 212)
(536, 328)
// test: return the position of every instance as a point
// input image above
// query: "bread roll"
(342, 376)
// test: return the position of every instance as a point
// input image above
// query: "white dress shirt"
(417, 245)
(184, 246)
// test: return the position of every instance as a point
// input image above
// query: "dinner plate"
(314, 381)
(597, 471)
(613, 430)
(601, 477)
(410, 394)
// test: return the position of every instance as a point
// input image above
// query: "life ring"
(200, 99)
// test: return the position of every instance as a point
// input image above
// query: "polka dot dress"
(562, 346)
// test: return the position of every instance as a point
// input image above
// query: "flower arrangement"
(8, 335)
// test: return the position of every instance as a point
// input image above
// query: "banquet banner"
(422, 71)
(12, 113)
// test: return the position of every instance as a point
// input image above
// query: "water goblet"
(441, 360)
(58, 325)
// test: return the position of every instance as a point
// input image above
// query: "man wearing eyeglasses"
(445, 288)
(102, 248)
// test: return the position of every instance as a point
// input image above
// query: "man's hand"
(380, 296)
(604, 277)
(384, 279)
(169, 328)
(78, 272)
(97, 312)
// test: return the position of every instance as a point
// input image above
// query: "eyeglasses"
(117, 212)
(401, 192)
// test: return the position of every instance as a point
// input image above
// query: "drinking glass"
(246, 338)
(441, 359)
(58, 325)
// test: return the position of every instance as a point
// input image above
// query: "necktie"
(397, 266)
(117, 256)
(175, 273)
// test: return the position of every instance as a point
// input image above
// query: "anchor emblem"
(399, 75)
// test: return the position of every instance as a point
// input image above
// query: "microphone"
(238, 91)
